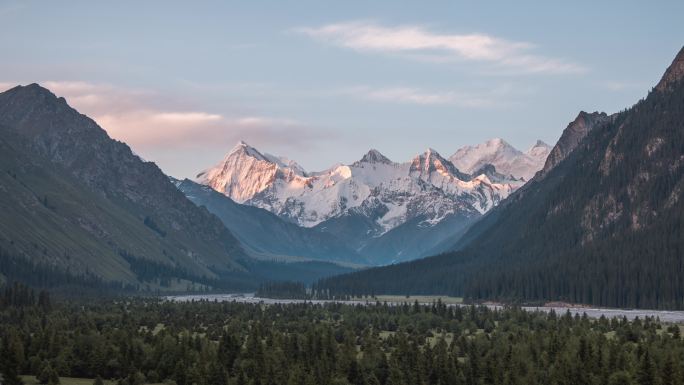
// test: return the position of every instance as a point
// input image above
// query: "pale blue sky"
(322, 82)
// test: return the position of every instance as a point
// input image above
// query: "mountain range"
(383, 210)
(600, 224)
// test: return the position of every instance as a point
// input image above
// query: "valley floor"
(237, 340)
(592, 312)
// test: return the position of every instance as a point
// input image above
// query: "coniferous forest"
(136, 341)
(604, 227)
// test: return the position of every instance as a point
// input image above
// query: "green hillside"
(78, 203)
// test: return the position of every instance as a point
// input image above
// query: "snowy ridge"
(245, 172)
(505, 158)
(428, 187)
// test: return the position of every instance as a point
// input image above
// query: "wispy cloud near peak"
(408, 95)
(159, 127)
(440, 47)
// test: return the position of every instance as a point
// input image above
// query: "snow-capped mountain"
(429, 188)
(505, 158)
(245, 172)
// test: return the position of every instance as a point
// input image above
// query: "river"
(664, 315)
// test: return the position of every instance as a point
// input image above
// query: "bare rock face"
(572, 136)
(674, 72)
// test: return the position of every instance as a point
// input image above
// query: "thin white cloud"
(147, 120)
(179, 138)
(407, 95)
(186, 117)
(421, 43)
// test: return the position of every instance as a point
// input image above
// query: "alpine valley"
(594, 219)
(81, 209)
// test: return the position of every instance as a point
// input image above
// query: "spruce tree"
(9, 365)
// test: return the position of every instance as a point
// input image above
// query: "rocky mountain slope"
(601, 226)
(572, 136)
(77, 201)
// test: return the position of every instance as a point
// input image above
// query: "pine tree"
(646, 373)
(8, 364)
(620, 378)
(48, 375)
(669, 375)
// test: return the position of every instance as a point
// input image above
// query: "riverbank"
(674, 316)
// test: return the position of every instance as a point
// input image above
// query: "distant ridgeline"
(604, 226)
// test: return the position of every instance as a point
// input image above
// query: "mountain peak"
(674, 72)
(243, 148)
(496, 142)
(31, 94)
(572, 136)
(36, 87)
(33, 88)
(431, 161)
(374, 156)
(429, 155)
(240, 146)
(539, 149)
(432, 153)
(245, 171)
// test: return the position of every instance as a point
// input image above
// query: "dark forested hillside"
(78, 203)
(603, 226)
